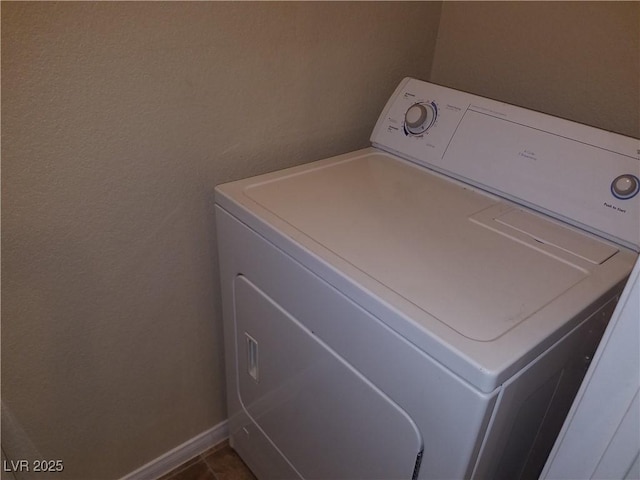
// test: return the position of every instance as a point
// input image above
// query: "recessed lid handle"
(559, 236)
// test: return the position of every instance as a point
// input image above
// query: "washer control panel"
(579, 174)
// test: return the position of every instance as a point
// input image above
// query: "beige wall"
(578, 60)
(117, 121)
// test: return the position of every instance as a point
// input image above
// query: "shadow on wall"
(16, 447)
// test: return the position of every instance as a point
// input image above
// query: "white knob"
(419, 118)
(625, 186)
(416, 115)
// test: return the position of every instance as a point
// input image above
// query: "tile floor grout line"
(215, 477)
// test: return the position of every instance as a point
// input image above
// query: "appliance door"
(324, 417)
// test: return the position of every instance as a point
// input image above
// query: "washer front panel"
(295, 402)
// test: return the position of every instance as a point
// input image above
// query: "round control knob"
(419, 118)
(625, 186)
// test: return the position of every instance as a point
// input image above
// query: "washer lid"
(416, 234)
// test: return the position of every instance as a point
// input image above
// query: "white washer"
(426, 307)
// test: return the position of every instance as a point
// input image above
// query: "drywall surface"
(118, 119)
(577, 60)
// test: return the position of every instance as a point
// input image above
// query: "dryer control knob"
(419, 118)
(625, 186)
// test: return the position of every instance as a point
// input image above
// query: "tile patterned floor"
(217, 463)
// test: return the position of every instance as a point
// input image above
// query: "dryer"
(428, 306)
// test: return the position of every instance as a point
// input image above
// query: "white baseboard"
(176, 457)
